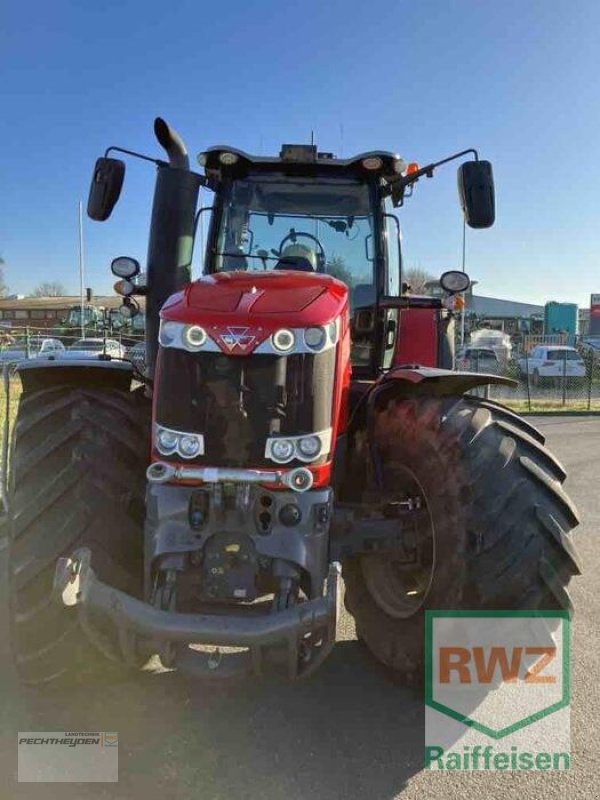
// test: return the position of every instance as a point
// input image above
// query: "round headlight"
(454, 281)
(202, 159)
(315, 338)
(194, 337)
(283, 340)
(124, 267)
(332, 330)
(166, 441)
(282, 450)
(189, 446)
(309, 446)
(168, 333)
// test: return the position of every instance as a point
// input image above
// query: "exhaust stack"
(172, 143)
(171, 231)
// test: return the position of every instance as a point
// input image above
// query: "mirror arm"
(114, 149)
(397, 186)
(157, 161)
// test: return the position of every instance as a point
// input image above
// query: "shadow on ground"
(346, 732)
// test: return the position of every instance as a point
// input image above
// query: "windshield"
(563, 355)
(89, 344)
(320, 225)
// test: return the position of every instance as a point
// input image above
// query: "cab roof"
(301, 160)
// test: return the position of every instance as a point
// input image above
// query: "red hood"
(262, 301)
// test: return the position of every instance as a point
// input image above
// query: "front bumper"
(129, 629)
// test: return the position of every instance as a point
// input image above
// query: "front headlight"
(283, 340)
(166, 441)
(169, 332)
(189, 446)
(315, 338)
(304, 448)
(309, 446)
(194, 337)
(169, 442)
(282, 450)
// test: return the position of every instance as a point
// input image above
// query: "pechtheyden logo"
(68, 757)
(497, 690)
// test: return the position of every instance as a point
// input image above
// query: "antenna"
(81, 270)
(312, 138)
(341, 139)
(464, 308)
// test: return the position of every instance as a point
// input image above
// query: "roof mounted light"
(399, 165)
(202, 158)
(228, 159)
(372, 162)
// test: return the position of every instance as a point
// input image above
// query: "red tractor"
(298, 420)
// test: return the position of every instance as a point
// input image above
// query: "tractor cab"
(312, 213)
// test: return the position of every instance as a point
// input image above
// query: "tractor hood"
(256, 304)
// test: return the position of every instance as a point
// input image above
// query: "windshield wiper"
(247, 255)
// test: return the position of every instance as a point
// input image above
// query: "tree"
(49, 289)
(336, 266)
(3, 286)
(417, 278)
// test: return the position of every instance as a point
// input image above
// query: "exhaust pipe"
(172, 143)
(171, 232)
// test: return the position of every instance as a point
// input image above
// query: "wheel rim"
(400, 589)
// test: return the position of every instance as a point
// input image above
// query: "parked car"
(38, 348)
(547, 362)
(94, 348)
(591, 344)
(478, 359)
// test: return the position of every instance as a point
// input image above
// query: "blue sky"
(425, 78)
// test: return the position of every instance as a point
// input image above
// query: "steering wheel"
(293, 236)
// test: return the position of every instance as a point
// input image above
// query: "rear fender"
(36, 375)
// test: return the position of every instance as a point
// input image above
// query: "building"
(510, 316)
(54, 312)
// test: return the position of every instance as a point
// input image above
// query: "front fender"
(438, 382)
(43, 374)
(413, 381)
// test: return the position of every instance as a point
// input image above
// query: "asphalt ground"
(348, 732)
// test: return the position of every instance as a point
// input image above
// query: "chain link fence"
(560, 379)
(21, 344)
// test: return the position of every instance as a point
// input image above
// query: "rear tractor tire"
(77, 479)
(499, 522)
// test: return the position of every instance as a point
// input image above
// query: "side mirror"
(476, 192)
(105, 188)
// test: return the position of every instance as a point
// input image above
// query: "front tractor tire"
(77, 479)
(500, 522)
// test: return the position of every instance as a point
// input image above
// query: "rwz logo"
(237, 337)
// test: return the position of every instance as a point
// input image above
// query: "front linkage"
(226, 539)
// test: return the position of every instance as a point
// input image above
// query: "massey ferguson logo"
(237, 337)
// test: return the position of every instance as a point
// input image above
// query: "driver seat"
(298, 263)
